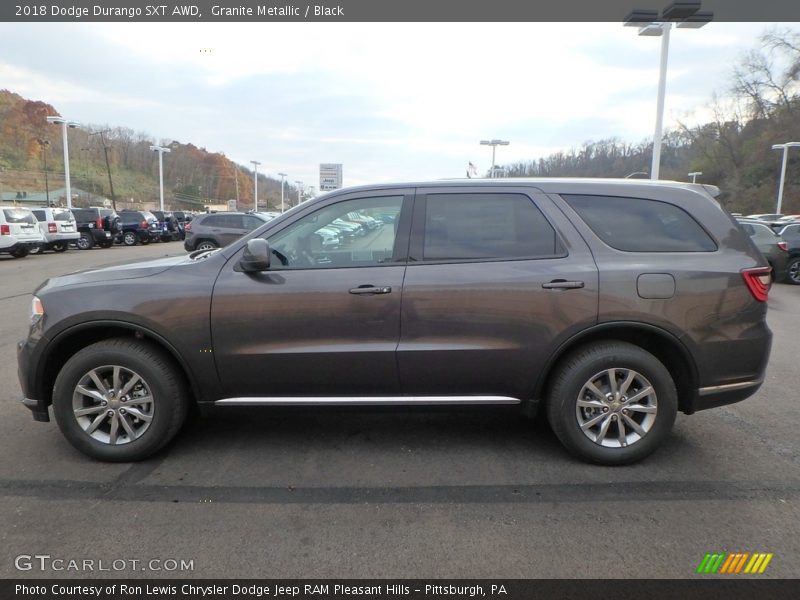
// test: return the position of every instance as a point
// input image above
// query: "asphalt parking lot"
(398, 493)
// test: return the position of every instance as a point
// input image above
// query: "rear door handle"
(562, 284)
(371, 289)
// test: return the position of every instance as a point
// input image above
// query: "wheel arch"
(667, 348)
(70, 341)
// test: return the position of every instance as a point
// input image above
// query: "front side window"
(352, 233)
(641, 225)
(481, 226)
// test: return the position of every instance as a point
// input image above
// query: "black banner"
(402, 589)
(378, 10)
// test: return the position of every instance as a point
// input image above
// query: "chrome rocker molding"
(730, 387)
(365, 400)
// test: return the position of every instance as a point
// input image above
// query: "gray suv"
(610, 304)
(214, 230)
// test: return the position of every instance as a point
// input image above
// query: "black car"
(609, 304)
(138, 226)
(97, 226)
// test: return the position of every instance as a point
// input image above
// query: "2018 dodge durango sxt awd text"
(612, 304)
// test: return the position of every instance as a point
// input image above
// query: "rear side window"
(130, 217)
(486, 226)
(641, 225)
(40, 215)
(63, 215)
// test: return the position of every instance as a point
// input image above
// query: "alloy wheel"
(616, 408)
(113, 404)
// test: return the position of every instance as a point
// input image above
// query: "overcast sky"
(392, 102)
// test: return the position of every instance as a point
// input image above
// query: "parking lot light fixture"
(494, 144)
(694, 175)
(299, 191)
(57, 120)
(683, 14)
(160, 150)
(255, 164)
(785, 147)
(283, 180)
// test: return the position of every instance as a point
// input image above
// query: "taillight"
(783, 246)
(5, 230)
(758, 282)
(187, 227)
(144, 224)
(51, 228)
(99, 223)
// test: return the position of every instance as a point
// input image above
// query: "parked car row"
(25, 231)
(778, 238)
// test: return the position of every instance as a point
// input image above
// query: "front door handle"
(371, 289)
(562, 284)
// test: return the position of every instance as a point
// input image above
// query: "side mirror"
(256, 256)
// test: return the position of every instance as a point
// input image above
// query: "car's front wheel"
(793, 271)
(119, 400)
(612, 403)
(59, 246)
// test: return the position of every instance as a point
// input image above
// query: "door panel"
(322, 321)
(488, 326)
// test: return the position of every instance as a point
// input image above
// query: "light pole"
(299, 191)
(785, 147)
(160, 150)
(64, 124)
(684, 14)
(694, 175)
(283, 175)
(494, 144)
(44, 143)
(255, 164)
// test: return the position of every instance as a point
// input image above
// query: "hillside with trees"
(117, 163)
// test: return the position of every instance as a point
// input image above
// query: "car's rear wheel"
(59, 246)
(21, 252)
(206, 245)
(119, 400)
(106, 244)
(612, 403)
(129, 238)
(144, 241)
(85, 242)
(793, 271)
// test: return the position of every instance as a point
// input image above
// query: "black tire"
(581, 367)
(85, 242)
(129, 238)
(106, 244)
(59, 246)
(205, 245)
(156, 368)
(144, 241)
(793, 271)
(21, 252)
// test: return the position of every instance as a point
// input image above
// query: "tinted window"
(485, 226)
(251, 222)
(63, 215)
(640, 225)
(40, 215)
(130, 217)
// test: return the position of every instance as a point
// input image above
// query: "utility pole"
(44, 143)
(108, 166)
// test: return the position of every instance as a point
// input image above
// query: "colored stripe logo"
(733, 563)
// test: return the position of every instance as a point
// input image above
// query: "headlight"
(37, 310)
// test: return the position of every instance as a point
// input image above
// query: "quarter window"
(641, 225)
(486, 226)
